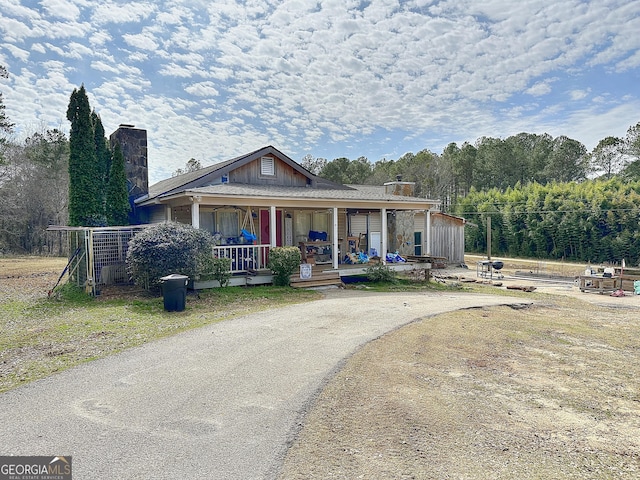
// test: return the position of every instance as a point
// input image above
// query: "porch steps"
(318, 279)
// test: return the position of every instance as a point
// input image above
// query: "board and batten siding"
(447, 237)
(284, 175)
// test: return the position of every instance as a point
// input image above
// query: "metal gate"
(97, 255)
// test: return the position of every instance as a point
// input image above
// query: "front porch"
(325, 236)
(257, 272)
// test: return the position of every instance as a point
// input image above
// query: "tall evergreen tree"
(117, 205)
(86, 205)
(103, 153)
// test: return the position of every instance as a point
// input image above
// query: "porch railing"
(244, 257)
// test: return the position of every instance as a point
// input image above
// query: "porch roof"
(354, 196)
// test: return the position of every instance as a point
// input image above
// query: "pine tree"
(86, 205)
(117, 207)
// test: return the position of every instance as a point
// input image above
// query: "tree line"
(492, 163)
(98, 194)
(592, 221)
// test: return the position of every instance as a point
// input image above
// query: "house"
(264, 199)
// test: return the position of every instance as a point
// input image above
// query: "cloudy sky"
(330, 78)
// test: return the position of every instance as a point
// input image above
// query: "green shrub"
(379, 272)
(166, 248)
(213, 268)
(283, 261)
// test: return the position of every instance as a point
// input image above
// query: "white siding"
(364, 223)
(358, 225)
(157, 214)
(375, 222)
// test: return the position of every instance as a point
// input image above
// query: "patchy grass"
(42, 336)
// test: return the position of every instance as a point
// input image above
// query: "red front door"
(265, 230)
(265, 227)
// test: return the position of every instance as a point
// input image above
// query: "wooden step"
(316, 280)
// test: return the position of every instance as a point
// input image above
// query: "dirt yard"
(551, 391)
(29, 277)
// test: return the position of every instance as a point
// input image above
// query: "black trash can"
(174, 291)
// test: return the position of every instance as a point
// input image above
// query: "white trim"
(273, 228)
(427, 240)
(335, 250)
(385, 240)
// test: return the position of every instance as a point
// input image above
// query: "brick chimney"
(133, 142)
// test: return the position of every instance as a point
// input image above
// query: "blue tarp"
(395, 258)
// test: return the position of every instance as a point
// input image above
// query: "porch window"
(302, 225)
(321, 222)
(307, 221)
(207, 221)
(228, 224)
(267, 166)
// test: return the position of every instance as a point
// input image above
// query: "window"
(321, 222)
(228, 224)
(302, 225)
(303, 222)
(267, 166)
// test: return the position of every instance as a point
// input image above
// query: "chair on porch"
(353, 244)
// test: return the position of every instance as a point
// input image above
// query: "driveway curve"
(220, 402)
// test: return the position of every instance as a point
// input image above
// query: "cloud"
(579, 94)
(142, 41)
(100, 38)
(202, 89)
(16, 52)
(61, 9)
(108, 12)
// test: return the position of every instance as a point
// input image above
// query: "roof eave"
(286, 201)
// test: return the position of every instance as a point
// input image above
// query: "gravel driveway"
(221, 402)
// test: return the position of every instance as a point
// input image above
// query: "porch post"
(427, 233)
(383, 254)
(167, 213)
(195, 211)
(334, 250)
(273, 229)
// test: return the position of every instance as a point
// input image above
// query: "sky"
(213, 80)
